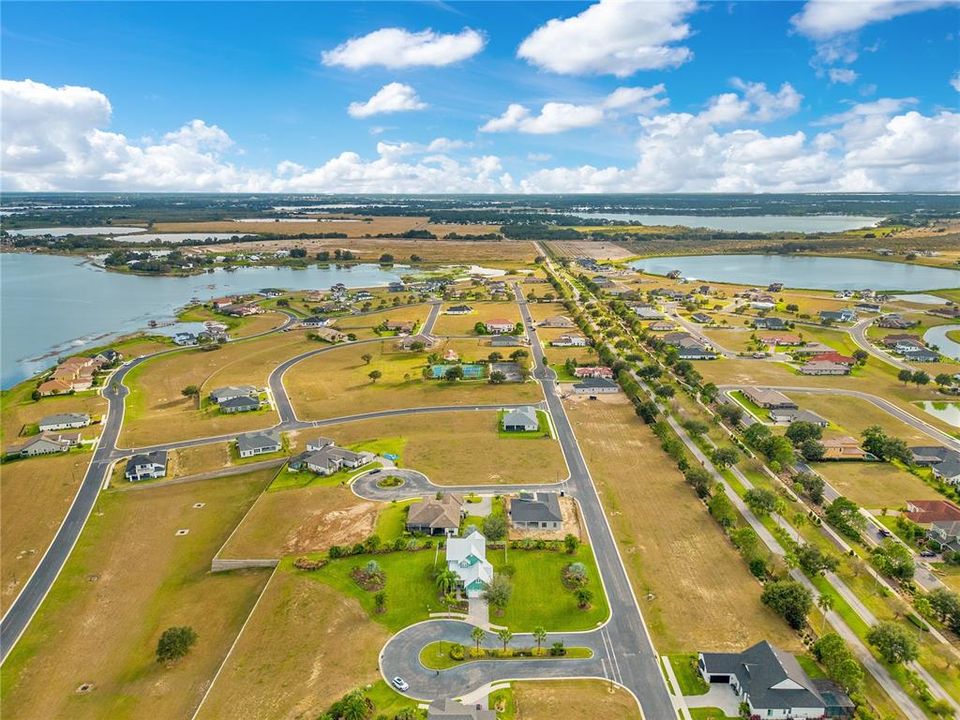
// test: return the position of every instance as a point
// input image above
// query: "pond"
(745, 223)
(52, 305)
(949, 412)
(804, 271)
(938, 336)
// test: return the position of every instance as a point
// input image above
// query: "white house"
(570, 340)
(63, 421)
(521, 419)
(467, 557)
(257, 443)
(595, 386)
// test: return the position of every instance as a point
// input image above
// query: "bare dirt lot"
(600, 250)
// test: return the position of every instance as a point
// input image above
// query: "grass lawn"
(875, 485)
(542, 432)
(20, 413)
(236, 327)
(289, 479)
(101, 621)
(430, 450)
(758, 412)
(688, 676)
(363, 326)
(290, 659)
(676, 555)
(392, 519)
(709, 713)
(34, 497)
(551, 699)
(436, 655)
(337, 382)
(853, 415)
(539, 596)
(482, 311)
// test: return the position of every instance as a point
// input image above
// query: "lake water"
(746, 223)
(804, 271)
(64, 231)
(52, 305)
(949, 412)
(922, 299)
(938, 336)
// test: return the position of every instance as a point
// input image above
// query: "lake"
(938, 336)
(52, 305)
(949, 412)
(798, 271)
(746, 223)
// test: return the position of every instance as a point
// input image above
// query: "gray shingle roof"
(64, 418)
(524, 416)
(536, 507)
(158, 457)
(254, 441)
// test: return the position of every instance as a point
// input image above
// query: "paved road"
(885, 405)
(859, 335)
(416, 484)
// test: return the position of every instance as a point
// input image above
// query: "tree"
(495, 357)
(733, 414)
(724, 456)
(386, 259)
(943, 380)
(904, 376)
(571, 543)
(861, 356)
(945, 604)
(175, 642)
(494, 527)
(841, 664)
(497, 593)
(191, 391)
(825, 603)
(699, 479)
(709, 392)
(366, 357)
(893, 559)
(453, 373)
(894, 642)
(761, 501)
(497, 377)
(919, 378)
(477, 636)
(801, 431)
(812, 485)
(814, 561)
(845, 515)
(505, 636)
(584, 596)
(479, 328)
(446, 581)
(352, 706)
(518, 355)
(380, 601)
(374, 375)
(648, 411)
(789, 599)
(539, 634)
(722, 510)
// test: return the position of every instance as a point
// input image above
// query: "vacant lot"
(338, 382)
(595, 699)
(299, 520)
(305, 646)
(875, 485)
(157, 411)
(853, 415)
(541, 311)
(101, 622)
(734, 339)
(34, 497)
(460, 448)
(482, 312)
(596, 250)
(676, 555)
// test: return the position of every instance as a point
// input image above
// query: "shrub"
(175, 642)
(457, 652)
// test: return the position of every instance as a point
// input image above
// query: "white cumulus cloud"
(392, 97)
(822, 19)
(613, 37)
(842, 76)
(398, 48)
(955, 82)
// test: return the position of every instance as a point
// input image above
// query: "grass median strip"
(439, 655)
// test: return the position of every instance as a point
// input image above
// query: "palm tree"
(447, 581)
(825, 603)
(505, 636)
(539, 634)
(477, 636)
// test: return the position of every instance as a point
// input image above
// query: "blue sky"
(863, 82)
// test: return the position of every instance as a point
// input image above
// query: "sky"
(435, 97)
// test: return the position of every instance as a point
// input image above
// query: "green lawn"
(709, 713)
(387, 700)
(382, 446)
(392, 520)
(542, 432)
(752, 408)
(288, 480)
(685, 668)
(436, 655)
(539, 596)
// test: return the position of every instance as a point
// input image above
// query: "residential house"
(401, 327)
(315, 322)
(769, 399)
(698, 352)
(925, 512)
(789, 416)
(951, 312)
(868, 307)
(220, 303)
(536, 511)
(63, 421)
(815, 367)
(812, 348)
(521, 419)
(257, 443)
(924, 355)
(769, 323)
(680, 339)
(596, 371)
(895, 321)
(570, 340)
(557, 321)
(701, 318)
(785, 339)
(45, 444)
(243, 310)
(436, 516)
(595, 386)
(146, 466)
(239, 405)
(499, 326)
(943, 461)
(768, 680)
(775, 287)
(662, 326)
(762, 304)
(946, 533)
(459, 310)
(840, 316)
(109, 357)
(844, 448)
(54, 387)
(454, 710)
(330, 335)
(467, 557)
(836, 357)
(408, 342)
(648, 312)
(328, 460)
(223, 394)
(899, 342)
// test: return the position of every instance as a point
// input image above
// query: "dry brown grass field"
(548, 700)
(102, 619)
(482, 311)
(363, 325)
(184, 462)
(21, 412)
(596, 250)
(305, 646)
(352, 225)
(337, 383)
(156, 411)
(541, 311)
(852, 416)
(34, 497)
(676, 555)
(875, 485)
